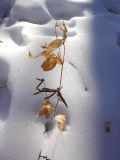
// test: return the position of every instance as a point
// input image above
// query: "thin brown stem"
(57, 103)
(61, 76)
(56, 29)
(45, 87)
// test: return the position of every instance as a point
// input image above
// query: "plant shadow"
(5, 96)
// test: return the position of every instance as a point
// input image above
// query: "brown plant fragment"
(44, 54)
(62, 121)
(51, 62)
(54, 44)
(107, 127)
(46, 110)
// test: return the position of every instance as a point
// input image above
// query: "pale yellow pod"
(61, 119)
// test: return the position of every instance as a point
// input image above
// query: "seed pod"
(46, 110)
(61, 119)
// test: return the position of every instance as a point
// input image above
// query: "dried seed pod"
(46, 110)
(61, 119)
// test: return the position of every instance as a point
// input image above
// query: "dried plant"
(53, 56)
(61, 119)
(43, 157)
(107, 126)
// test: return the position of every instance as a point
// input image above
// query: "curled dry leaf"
(46, 110)
(52, 59)
(54, 44)
(44, 54)
(51, 62)
(62, 121)
(49, 49)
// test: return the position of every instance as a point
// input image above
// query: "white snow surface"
(92, 60)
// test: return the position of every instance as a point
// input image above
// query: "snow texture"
(91, 79)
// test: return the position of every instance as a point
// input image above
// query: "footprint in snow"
(17, 36)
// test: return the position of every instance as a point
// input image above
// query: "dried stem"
(43, 157)
(61, 75)
(45, 87)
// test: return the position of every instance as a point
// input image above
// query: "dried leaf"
(62, 121)
(54, 45)
(49, 64)
(46, 110)
(44, 54)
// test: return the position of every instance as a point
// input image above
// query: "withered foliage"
(46, 110)
(53, 56)
(43, 157)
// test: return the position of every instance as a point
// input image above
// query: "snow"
(90, 80)
(112, 5)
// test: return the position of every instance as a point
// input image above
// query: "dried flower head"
(62, 121)
(46, 110)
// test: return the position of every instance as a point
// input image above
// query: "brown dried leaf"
(44, 54)
(46, 110)
(49, 64)
(54, 45)
(62, 121)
